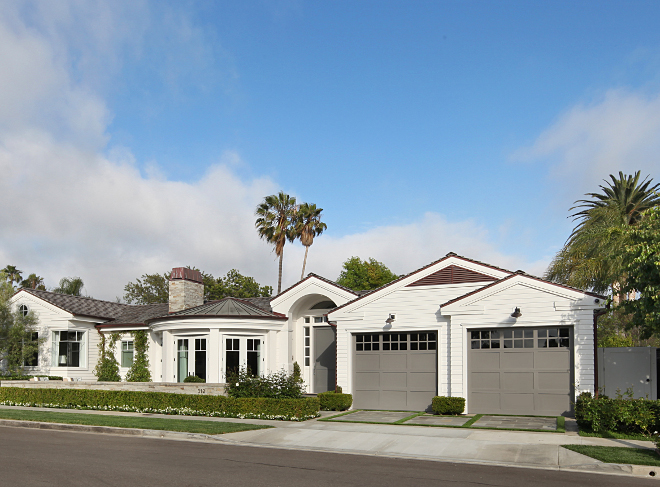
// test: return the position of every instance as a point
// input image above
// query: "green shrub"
(193, 378)
(448, 405)
(331, 401)
(139, 371)
(275, 385)
(107, 368)
(624, 415)
(28, 377)
(163, 403)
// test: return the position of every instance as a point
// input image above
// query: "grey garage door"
(521, 371)
(395, 371)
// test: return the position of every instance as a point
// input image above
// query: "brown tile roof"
(81, 306)
(138, 314)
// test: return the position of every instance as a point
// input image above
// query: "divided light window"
(69, 347)
(396, 342)
(554, 337)
(127, 353)
(307, 346)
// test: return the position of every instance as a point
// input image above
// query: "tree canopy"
(592, 256)
(641, 264)
(275, 224)
(154, 288)
(308, 225)
(70, 285)
(361, 275)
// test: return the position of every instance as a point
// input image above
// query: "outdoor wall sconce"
(516, 313)
(390, 319)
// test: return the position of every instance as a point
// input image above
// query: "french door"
(244, 353)
(191, 358)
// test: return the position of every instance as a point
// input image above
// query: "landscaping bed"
(288, 409)
(161, 424)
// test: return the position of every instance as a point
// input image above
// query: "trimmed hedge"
(448, 405)
(333, 401)
(193, 378)
(163, 403)
(617, 415)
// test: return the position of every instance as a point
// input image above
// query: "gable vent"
(452, 275)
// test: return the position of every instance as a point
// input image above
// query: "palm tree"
(12, 274)
(275, 224)
(590, 258)
(33, 281)
(308, 226)
(70, 285)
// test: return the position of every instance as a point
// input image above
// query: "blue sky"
(151, 130)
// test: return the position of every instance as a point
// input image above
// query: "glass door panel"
(200, 358)
(254, 355)
(182, 359)
(232, 355)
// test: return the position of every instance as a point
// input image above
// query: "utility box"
(622, 368)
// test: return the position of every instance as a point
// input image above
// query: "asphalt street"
(57, 458)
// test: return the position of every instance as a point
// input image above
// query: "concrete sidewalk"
(505, 448)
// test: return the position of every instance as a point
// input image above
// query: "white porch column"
(214, 351)
(168, 358)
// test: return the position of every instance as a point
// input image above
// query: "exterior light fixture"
(390, 319)
(516, 313)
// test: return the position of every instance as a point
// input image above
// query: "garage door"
(521, 371)
(396, 371)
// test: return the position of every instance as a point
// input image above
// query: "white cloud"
(67, 209)
(619, 132)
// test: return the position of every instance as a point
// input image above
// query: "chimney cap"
(185, 274)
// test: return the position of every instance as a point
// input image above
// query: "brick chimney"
(186, 289)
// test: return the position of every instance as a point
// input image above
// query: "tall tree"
(12, 274)
(308, 225)
(19, 342)
(148, 289)
(70, 285)
(591, 257)
(154, 288)
(33, 281)
(362, 275)
(275, 220)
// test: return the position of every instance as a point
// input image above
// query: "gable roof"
(309, 276)
(521, 274)
(452, 274)
(80, 305)
(448, 256)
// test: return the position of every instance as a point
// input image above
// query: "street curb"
(626, 470)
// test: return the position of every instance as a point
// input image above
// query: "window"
(395, 341)
(318, 319)
(367, 343)
(127, 353)
(33, 361)
(69, 348)
(520, 338)
(23, 309)
(307, 346)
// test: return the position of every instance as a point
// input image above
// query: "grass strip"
(403, 420)
(615, 435)
(332, 418)
(561, 424)
(474, 419)
(164, 424)
(618, 454)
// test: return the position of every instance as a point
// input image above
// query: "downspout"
(596, 315)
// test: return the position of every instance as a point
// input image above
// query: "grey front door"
(521, 371)
(396, 371)
(325, 358)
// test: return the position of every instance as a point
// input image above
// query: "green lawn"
(618, 454)
(165, 424)
(611, 434)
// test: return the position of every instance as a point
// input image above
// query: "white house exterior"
(507, 342)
